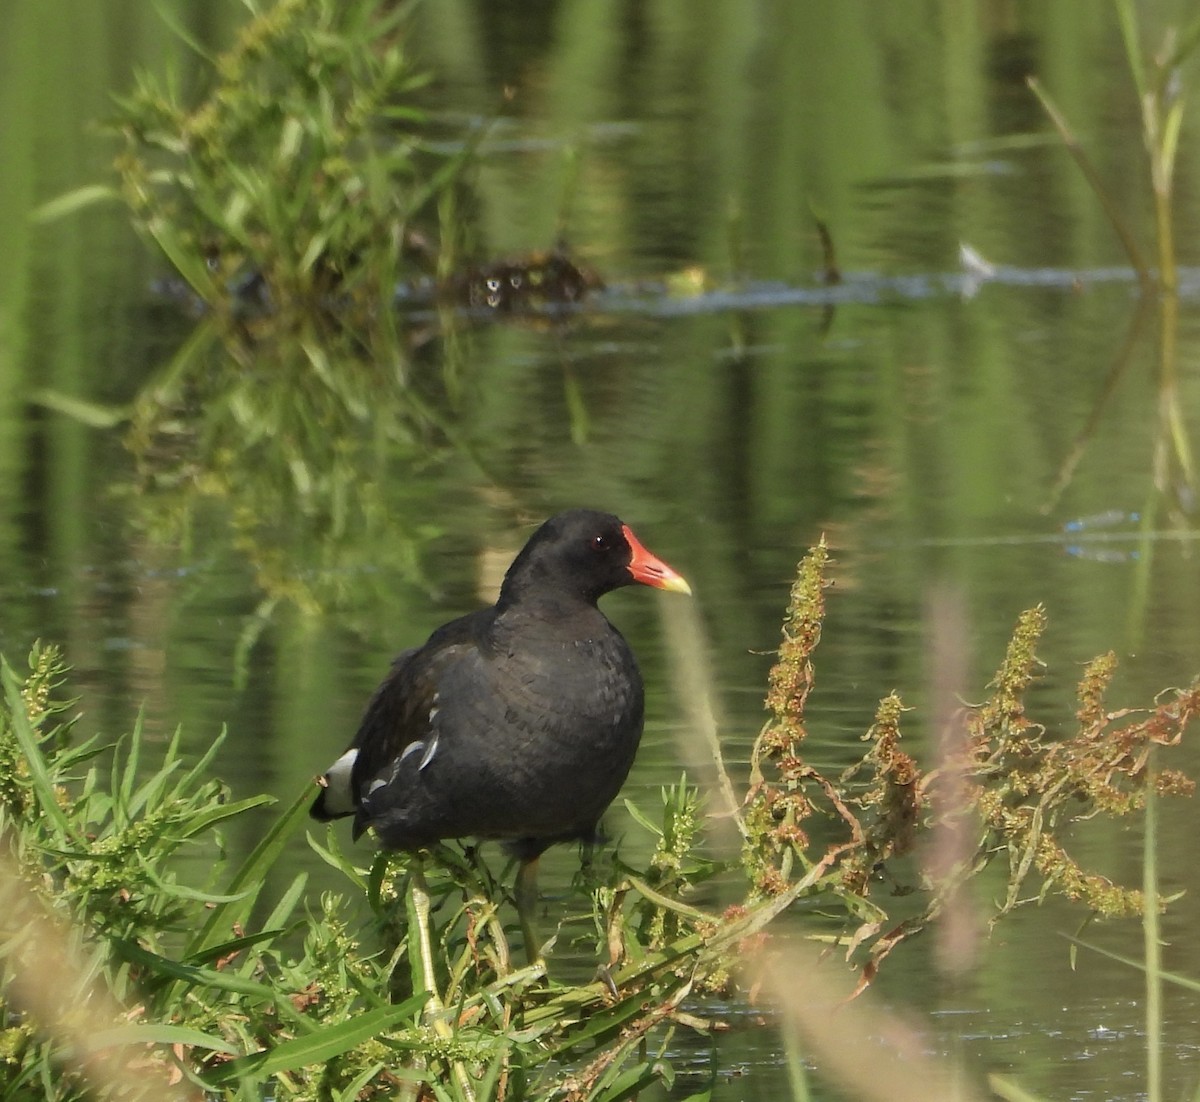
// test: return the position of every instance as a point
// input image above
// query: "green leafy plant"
(294, 181)
(215, 979)
(1014, 788)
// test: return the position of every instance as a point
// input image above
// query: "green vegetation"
(238, 978)
(1159, 85)
(289, 192)
(298, 178)
(232, 977)
(305, 447)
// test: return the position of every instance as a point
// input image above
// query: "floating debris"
(530, 282)
(1110, 518)
(973, 262)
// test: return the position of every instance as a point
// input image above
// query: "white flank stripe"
(428, 755)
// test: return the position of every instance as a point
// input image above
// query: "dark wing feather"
(338, 796)
(398, 714)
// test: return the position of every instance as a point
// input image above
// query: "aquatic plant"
(1014, 785)
(1159, 85)
(299, 177)
(242, 978)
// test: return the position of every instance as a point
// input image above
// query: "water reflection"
(264, 530)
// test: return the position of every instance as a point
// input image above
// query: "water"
(946, 432)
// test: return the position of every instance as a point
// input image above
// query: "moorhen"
(516, 722)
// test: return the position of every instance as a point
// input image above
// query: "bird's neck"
(534, 591)
(554, 610)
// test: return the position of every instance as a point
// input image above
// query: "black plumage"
(519, 721)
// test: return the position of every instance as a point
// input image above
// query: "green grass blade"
(601, 1025)
(1127, 17)
(353, 1090)
(30, 747)
(124, 780)
(157, 1034)
(225, 916)
(176, 890)
(236, 945)
(1115, 218)
(486, 1085)
(669, 904)
(75, 200)
(200, 769)
(1152, 941)
(335, 859)
(318, 1047)
(796, 1071)
(167, 14)
(288, 901)
(193, 975)
(1185, 982)
(642, 819)
(1005, 1088)
(95, 415)
(1169, 142)
(1185, 43)
(187, 262)
(201, 822)
(628, 1083)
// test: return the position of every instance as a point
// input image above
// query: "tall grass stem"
(1151, 941)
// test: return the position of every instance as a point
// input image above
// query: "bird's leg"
(426, 981)
(424, 978)
(525, 892)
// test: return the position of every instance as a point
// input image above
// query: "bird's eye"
(601, 543)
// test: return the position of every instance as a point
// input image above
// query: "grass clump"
(293, 180)
(290, 182)
(100, 858)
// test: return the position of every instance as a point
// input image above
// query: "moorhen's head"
(583, 554)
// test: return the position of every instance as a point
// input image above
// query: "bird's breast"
(579, 689)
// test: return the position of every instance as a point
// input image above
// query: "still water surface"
(987, 439)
